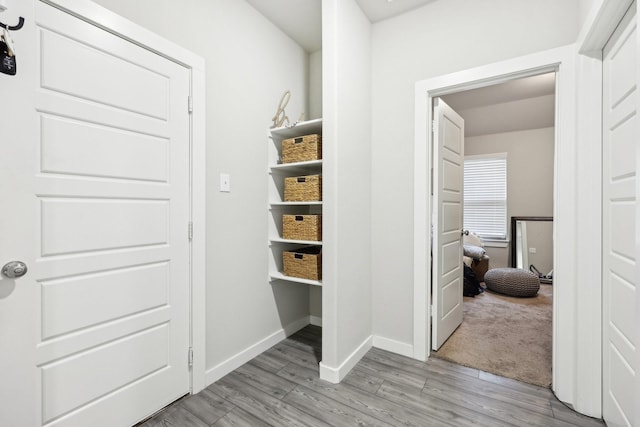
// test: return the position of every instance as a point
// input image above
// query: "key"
(7, 60)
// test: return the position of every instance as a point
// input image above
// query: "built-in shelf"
(303, 128)
(303, 166)
(280, 276)
(278, 171)
(297, 242)
(280, 204)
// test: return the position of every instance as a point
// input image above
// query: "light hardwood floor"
(281, 387)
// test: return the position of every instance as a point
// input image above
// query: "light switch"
(225, 183)
(532, 250)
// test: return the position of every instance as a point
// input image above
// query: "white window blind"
(485, 195)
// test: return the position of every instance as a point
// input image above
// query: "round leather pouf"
(514, 282)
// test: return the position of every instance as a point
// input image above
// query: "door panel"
(96, 372)
(450, 297)
(447, 220)
(147, 91)
(449, 254)
(451, 217)
(620, 130)
(75, 303)
(70, 226)
(99, 327)
(105, 151)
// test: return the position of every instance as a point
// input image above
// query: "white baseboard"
(393, 346)
(295, 326)
(335, 375)
(234, 362)
(315, 320)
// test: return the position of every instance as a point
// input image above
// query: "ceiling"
(527, 103)
(516, 105)
(514, 90)
(379, 10)
(302, 19)
(299, 19)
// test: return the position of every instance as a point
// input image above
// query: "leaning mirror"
(532, 245)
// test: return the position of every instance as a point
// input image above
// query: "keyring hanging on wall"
(8, 64)
(14, 27)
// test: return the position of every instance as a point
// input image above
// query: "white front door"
(620, 143)
(94, 173)
(448, 183)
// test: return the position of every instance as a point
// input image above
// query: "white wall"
(249, 64)
(315, 85)
(347, 173)
(530, 156)
(431, 41)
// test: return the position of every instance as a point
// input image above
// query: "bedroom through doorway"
(509, 145)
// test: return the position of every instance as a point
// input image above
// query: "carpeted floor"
(506, 336)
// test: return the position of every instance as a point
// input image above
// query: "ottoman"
(514, 282)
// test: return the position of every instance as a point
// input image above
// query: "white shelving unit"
(278, 207)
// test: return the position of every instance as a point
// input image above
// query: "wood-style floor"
(281, 387)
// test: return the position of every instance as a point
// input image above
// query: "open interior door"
(448, 181)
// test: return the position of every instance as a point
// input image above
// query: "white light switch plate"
(225, 183)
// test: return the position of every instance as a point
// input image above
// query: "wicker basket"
(303, 188)
(302, 227)
(302, 149)
(305, 263)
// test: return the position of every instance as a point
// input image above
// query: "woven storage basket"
(303, 188)
(305, 263)
(302, 149)
(302, 227)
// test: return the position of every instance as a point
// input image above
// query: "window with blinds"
(485, 195)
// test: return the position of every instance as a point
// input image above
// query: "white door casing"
(619, 141)
(448, 184)
(97, 154)
(576, 371)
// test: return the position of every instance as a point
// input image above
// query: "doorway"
(557, 60)
(508, 151)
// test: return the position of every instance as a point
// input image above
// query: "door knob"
(14, 269)
(464, 232)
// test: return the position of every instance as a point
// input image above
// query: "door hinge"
(190, 357)
(434, 126)
(431, 181)
(190, 104)
(190, 231)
